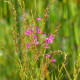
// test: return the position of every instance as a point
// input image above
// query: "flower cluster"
(49, 40)
(34, 33)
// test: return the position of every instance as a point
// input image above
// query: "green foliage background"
(66, 12)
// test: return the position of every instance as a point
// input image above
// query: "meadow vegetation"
(39, 40)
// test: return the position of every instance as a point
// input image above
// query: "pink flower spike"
(28, 46)
(53, 60)
(48, 56)
(38, 18)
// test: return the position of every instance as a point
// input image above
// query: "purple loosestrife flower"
(48, 56)
(28, 46)
(38, 30)
(37, 42)
(53, 60)
(51, 38)
(47, 40)
(38, 18)
(29, 32)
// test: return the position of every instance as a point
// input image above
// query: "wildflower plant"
(34, 62)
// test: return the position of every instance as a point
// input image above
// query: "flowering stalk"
(33, 45)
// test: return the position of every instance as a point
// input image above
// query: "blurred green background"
(66, 12)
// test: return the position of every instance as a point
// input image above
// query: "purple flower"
(38, 30)
(51, 38)
(53, 60)
(37, 42)
(29, 32)
(28, 46)
(48, 56)
(47, 40)
(38, 18)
